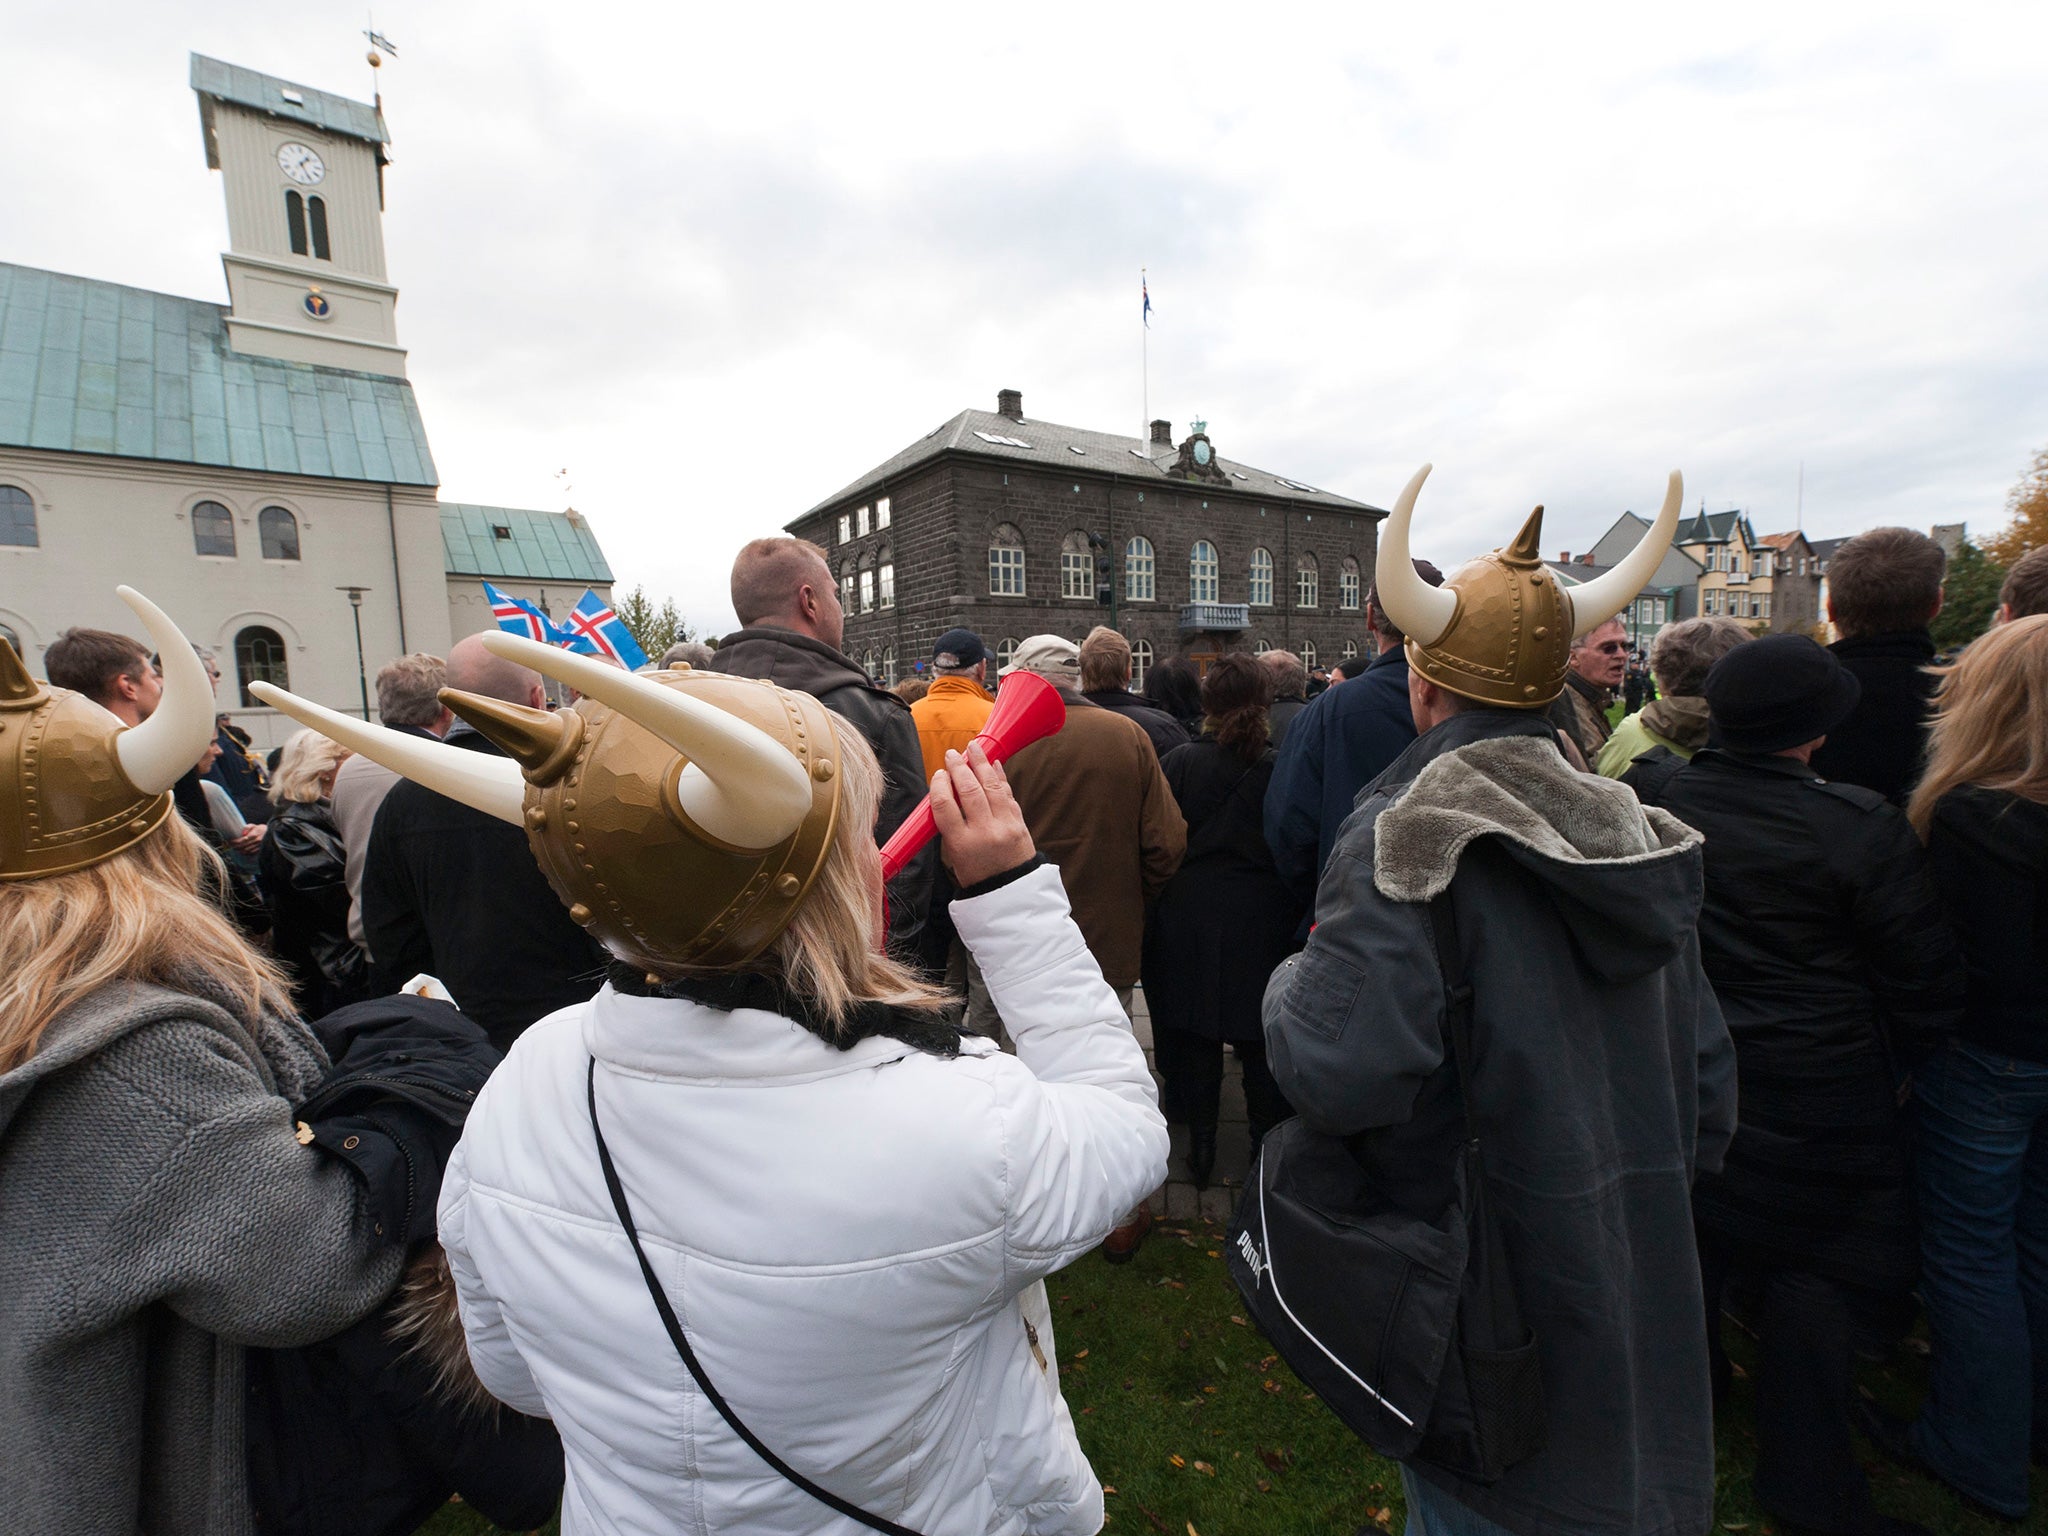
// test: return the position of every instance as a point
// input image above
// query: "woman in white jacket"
(848, 1206)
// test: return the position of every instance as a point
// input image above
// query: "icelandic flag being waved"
(1146, 293)
(516, 616)
(596, 631)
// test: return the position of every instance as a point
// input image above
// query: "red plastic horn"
(1027, 709)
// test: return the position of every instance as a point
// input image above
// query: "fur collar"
(423, 1317)
(1521, 789)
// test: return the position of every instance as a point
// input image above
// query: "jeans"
(1983, 1174)
(1432, 1512)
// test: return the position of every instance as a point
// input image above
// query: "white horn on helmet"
(1421, 612)
(480, 780)
(739, 784)
(164, 748)
(1596, 601)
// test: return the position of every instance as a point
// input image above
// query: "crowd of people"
(729, 1151)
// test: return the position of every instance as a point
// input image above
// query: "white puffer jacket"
(853, 1240)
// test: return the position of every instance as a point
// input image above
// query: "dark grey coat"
(1603, 1078)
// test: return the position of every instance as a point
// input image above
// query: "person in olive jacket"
(1836, 972)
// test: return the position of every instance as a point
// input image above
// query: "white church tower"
(304, 176)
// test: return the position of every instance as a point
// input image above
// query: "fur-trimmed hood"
(424, 1319)
(1626, 878)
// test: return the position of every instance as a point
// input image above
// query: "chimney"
(1010, 403)
(1564, 557)
(1162, 433)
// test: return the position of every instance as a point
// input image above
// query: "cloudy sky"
(716, 261)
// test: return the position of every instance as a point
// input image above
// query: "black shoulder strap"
(689, 1356)
(1458, 990)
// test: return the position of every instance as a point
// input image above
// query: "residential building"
(1770, 583)
(1013, 526)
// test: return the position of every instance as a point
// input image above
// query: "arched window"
(213, 529)
(295, 222)
(1350, 650)
(1305, 574)
(18, 517)
(1260, 648)
(1138, 585)
(867, 589)
(889, 666)
(1308, 653)
(1006, 563)
(1262, 578)
(1202, 572)
(846, 586)
(259, 658)
(1006, 648)
(316, 219)
(1141, 662)
(867, 661)
(279, 531)
(885, 578)
(1347, 584)
(1077, 566)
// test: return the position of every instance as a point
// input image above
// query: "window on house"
(881, 511)
(1077, 566)
(1202, 576)
(1308, 653)
(1138, 571)
(213, 529)
(846, 527)
(860, 522)
(18, 517)
(1260, 648)
(867, 661)
(886, 579)
(1006, 651)
(867, 590)
(259, 658)
(1347, 584)
(279, 532)
(846, 587)
(295, 222)
(888, 665)
(1006, 563)
(316, 223)
(1350, 650)
(1305, 575)
(1141, 662)
(1763, 610)
(1262, 579)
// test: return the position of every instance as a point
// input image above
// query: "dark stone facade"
(947, 508)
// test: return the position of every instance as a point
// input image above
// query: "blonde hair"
(137, 917)
(307, 759)
(1991, 720)
(832, 953)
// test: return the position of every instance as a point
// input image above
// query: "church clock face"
(301, 164)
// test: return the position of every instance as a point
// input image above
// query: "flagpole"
(1145, 374)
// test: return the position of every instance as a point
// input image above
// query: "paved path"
(1178, 1199)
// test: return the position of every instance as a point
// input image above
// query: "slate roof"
(94, 367)
(1056, 448)
(1709, 528)
(1577, 574)
(215, 81)
(1824, 549)
(537, 546)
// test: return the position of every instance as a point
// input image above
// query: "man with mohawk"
(1600, 1074)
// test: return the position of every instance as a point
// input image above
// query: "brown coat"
(1100, 809)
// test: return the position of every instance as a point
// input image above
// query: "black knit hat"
(1777, 692)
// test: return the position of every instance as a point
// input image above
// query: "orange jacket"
(948, 718)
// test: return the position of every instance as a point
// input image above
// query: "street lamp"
(355, 602)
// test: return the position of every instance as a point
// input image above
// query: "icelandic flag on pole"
(1146, 313)
(516, 616)
(596, 631)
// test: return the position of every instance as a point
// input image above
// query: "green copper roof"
(215, 81)
(520, 545)
(92, 367)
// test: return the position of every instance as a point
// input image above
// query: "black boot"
(1201, 1154)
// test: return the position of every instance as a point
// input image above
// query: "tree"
(2028, 506)
(655, 628)
(1969, 596)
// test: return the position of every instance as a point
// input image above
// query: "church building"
(259, 468)
(1012, 526)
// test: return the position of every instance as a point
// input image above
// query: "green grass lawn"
(1200, 1431)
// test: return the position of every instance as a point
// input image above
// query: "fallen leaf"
(1383, 1518)
(1239, 1321)
(1264, 1486)
(1088, 1410)
(1178, 1285)
(1107, 1489)
(1177, 1461)
(1267, 1363)
(1082, 1356)
(1735, 1525)
(1208, 1389)
(1191, 1529)
(1272, 1386)
(1276, 1461)
(1214, 1254)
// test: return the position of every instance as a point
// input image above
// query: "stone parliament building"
(1013, 527)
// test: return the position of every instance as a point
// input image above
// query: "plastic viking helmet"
(680, 816)
(76, 785)
(1500, 628)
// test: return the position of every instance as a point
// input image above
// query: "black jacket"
(1280, 716)
(455, 893)
(1882, 743)
(303, 874)
(1989, 850)
(797, 662)
(1836, 972)
(1165, 732)
(1224, 920)
(1602, 1076)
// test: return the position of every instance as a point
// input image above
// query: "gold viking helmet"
(77, 786)
(680, 816)
(1500, 628)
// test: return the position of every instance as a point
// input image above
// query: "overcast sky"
(717, 261)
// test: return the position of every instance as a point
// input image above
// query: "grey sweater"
(157, 1215)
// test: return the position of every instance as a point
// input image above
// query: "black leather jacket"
(301, 870)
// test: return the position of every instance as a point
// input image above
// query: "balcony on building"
(1215, 618)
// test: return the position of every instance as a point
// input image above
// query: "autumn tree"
(2028, 507)
(1969, 596)
(656, 629)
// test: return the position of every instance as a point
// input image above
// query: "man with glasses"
(1598, 661)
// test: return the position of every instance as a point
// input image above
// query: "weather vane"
(378, 40)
